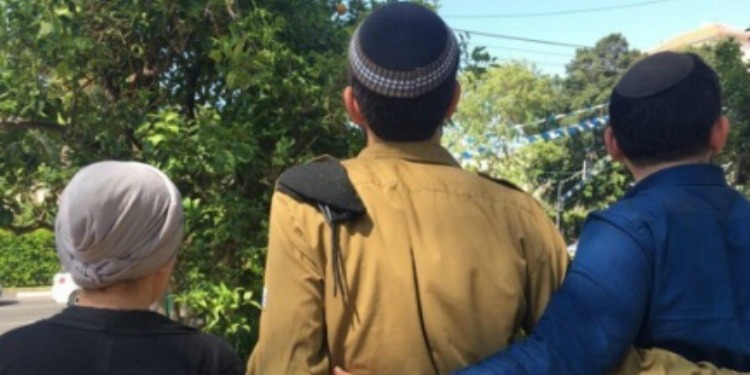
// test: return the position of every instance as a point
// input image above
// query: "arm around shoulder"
(592, 320)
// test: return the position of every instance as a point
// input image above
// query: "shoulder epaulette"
(501, 181)
(323, 181)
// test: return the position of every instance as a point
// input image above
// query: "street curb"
(33, 292)
(40, 293)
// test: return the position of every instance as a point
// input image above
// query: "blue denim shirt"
(667, 266)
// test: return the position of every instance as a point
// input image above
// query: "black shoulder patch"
(500, 181)
(324, 183)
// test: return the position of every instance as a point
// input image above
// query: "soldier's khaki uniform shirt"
(442, 271)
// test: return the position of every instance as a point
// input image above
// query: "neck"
(373, 139)
(641, 172)
(131, 295)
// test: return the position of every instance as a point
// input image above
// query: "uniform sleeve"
(292, 325)
(547, 263)
(593, 319)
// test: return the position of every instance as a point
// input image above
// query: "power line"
(535, 62)
(559, 12)
(520, 38)
(524, 50)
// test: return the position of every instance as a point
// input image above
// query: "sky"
(645, 23)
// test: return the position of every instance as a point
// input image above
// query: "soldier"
(398, 261)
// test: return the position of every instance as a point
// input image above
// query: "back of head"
(403, 61)
(664, 107)
(117, 221)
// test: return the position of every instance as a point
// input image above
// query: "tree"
(499, 98)
(593, 72)
(499, 105)
(734, 76)
(220, 95)
(591, 75)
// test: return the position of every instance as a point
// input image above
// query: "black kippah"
(655, 74)
(403, 50)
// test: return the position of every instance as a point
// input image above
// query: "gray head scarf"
(117, 221)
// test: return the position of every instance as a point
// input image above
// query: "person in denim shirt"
(667, 265)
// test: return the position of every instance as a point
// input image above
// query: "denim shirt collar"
(689, 174)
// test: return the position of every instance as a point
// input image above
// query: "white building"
(707, 34)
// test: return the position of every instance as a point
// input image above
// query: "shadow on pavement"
(8, 301)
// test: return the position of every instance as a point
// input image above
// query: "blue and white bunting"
(497, 145)
(568, 131)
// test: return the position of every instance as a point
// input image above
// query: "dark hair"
(671, 125)
(405, 119)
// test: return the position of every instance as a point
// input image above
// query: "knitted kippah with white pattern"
(403, 50)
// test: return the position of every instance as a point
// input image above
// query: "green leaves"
(594, 71)
(223, 96)
(506, 95)
(229, 312)
(726, 58)
(492, 106)
(28, 259)
(734, 75)
(502, 102)
(45, 28)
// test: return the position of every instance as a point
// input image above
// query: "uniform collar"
(689, 174)
(420, 152)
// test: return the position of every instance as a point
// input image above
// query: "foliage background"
(223, 95)
(504, 101)
(27, 259)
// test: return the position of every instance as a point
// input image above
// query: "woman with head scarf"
(117, 232)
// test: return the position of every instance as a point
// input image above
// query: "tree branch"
(191, 86)
(16, 230)
(9, 126)
(130, 134)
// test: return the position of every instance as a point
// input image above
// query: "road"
(27, 310)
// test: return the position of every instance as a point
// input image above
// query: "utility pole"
(560, 202)
(585, 173)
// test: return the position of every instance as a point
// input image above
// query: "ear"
(352, 107)
(719, 135)
(611, 144)
(454, 101)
